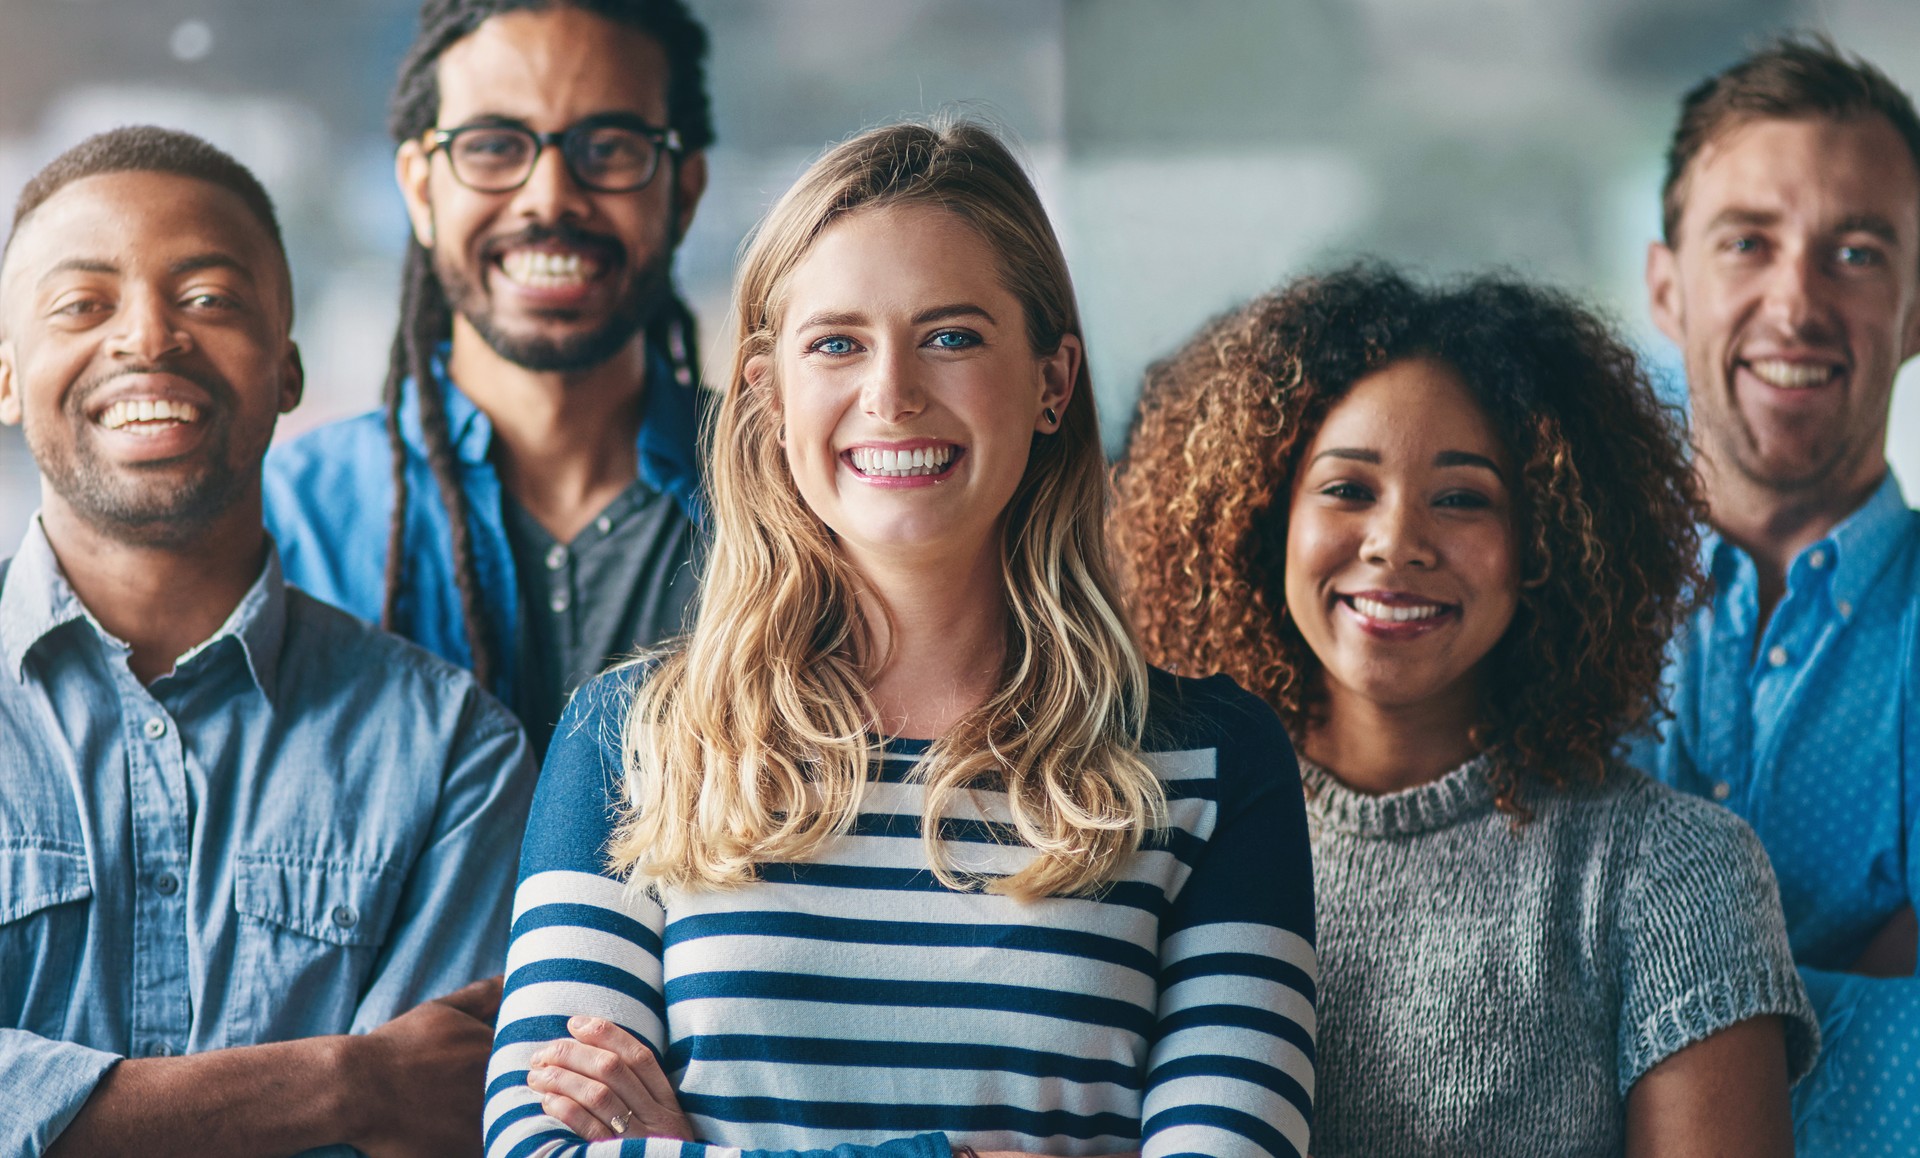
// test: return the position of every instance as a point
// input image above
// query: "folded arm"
(411, 1086)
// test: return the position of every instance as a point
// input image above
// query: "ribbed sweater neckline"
(1459, 795)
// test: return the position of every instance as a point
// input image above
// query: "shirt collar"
(1863, 544)
(37, 599)
(470, 428)
(667, 448)
(1853, 554)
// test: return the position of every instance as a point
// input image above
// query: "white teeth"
(900, 463)
(1395, 613)
(156, 411)
(1792, 375)
(543, 269)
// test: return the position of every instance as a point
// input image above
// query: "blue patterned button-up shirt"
(307, 828)
(1811, 732)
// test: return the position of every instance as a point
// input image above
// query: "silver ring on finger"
(620, 1121)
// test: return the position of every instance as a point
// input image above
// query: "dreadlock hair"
(426, 318)
(151, 149)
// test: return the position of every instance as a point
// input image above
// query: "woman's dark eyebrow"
(1465, 458)
(1349, 452)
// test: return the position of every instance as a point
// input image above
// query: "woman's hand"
(605, 1084)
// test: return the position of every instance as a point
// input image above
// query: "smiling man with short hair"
(527, 505)
(243, 837)
(1790, 278)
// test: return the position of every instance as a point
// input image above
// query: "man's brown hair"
(1794, 77)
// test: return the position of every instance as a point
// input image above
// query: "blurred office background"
(1193, 152)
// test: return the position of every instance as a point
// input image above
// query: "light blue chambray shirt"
(307, 828)
(1812, 733)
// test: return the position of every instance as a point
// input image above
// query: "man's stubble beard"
(647, 291)
(121, 505)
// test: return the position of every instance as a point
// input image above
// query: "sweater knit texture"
(1495, 988)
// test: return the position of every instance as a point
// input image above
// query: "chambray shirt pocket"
(45, 891)
(308, 936)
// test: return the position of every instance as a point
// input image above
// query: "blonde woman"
(905, 852)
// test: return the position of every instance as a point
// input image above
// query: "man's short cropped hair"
(1792, 78)
(148, 149)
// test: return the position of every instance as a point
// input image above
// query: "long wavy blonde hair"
(752, 741)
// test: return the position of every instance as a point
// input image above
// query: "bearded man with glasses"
(527, 502)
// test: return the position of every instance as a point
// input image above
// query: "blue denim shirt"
(329, 501)
(1811, 732)
(307, 828)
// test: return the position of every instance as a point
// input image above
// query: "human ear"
(1911, 345)
(1058, 372)
(9, 388)
(1663, 291)
(758, 373)
(690, 181)
(413, 171)
(293, 383)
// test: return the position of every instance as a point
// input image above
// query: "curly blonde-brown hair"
(1605, 501)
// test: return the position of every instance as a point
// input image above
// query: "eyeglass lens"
(612, 158)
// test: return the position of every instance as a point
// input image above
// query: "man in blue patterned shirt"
(1789, 275)
(243, 837)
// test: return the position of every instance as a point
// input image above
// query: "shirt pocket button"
(344, 916)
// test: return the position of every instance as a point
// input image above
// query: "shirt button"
(1846, 609)
(344, 916)
(166, 884)
(1817, 559)
(603, 524)
(1777, 656)
(1722, 790)
(559, 602)
(160, 1049)
(556, 557)
(155, 728)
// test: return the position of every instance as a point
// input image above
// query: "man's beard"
(153, 511)
(646, 290)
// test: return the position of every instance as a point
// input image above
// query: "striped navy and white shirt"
(852, 1003)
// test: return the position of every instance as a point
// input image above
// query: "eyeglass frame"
(666, 142)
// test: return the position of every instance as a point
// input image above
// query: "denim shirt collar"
(1852, 555)
(36, 600)
(667, 447)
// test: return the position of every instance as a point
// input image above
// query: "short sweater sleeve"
(1703, 945)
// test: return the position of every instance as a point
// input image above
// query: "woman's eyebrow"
(1466, 458)
(1355, 453)
(948, 312)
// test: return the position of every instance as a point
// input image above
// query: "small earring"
(1052, 418)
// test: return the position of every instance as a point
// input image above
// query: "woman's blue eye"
(954, 340)
(833, 345)
(1858, 255)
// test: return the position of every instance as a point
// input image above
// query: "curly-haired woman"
(1446, 534)
(1073, 917)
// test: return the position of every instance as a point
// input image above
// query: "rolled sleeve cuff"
(1711, 1007)
(46, 1082)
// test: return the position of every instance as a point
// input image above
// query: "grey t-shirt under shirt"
(1495, 989)
(624, 583)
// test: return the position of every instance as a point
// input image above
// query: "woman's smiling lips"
(914, 462)
(1396, 615)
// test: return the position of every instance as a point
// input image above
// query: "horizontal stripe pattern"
(854, 1002)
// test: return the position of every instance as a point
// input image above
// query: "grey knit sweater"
(1488, 990)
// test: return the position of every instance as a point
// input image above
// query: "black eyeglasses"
(604, 154)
